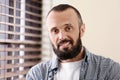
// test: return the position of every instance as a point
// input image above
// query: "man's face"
(64, 31)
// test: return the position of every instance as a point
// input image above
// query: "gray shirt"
(93, 67)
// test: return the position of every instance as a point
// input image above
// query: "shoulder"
(103, 60)
(106, 66)
(38, 71)
(40, 67)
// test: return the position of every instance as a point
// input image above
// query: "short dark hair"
(63, 7)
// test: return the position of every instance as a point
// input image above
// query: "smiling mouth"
(64, 45)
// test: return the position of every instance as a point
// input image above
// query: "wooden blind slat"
(36, 14)
(34, 21)
(26, 27)
(21, 78)
(19, 49)
(19, 42)
(20, 57)
(34, 7)
(27, 64)
(3, 5)
(33, 28)
(11, 74)
(37, 1)
(10, 16)
(17, 33)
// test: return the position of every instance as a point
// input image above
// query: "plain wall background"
(102, 20)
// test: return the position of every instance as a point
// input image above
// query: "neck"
(77, 58)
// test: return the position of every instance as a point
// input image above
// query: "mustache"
(64, 41)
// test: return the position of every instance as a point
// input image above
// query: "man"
(73, 61)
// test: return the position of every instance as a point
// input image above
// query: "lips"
(64, 44)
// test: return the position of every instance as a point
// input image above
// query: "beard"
(68, 53)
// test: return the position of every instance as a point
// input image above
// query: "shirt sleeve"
(29, 77)
(34, 73)
(114, 72)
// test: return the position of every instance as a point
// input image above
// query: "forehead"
(60, 18)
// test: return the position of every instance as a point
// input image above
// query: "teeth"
(65, 44)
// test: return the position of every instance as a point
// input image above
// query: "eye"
(54, 30)
(68, 28)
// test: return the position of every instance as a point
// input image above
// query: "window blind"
(20, 37)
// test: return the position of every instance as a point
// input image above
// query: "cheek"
(75, 38)
(53, 40)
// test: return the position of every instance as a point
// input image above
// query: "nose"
(61, 35)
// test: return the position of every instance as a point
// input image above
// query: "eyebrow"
(53, 28)
(68, 24)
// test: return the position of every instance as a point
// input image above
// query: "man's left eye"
(67, 28)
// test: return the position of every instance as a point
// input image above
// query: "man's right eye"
(55, 31)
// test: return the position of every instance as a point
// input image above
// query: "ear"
(82, 30)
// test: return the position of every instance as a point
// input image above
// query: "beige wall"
(102, 20)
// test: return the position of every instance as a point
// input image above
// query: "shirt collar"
(54, 63)
(87, 55)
